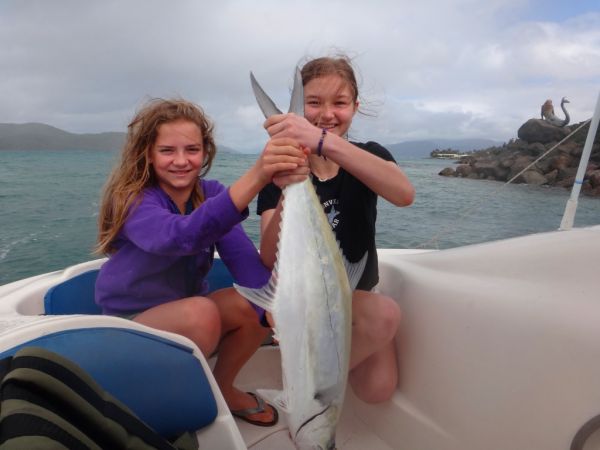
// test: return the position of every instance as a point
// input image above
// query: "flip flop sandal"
(260, 407)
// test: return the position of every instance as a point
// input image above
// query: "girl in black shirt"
(348, 178)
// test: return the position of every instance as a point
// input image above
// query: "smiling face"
(329, 103)
(176, 157)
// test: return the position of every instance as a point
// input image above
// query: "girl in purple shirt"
(160, 223)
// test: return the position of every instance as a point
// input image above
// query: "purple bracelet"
(320, 146)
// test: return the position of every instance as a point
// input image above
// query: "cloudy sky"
(427, 69)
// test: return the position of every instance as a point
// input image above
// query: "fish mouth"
(310, 419)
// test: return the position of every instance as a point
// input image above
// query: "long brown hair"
(133, 173)
(326, 65)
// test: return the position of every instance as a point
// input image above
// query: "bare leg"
(242, 334)
(196, 318)
(373, 361)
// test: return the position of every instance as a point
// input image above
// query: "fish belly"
(312, 308)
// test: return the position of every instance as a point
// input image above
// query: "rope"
(434, 241)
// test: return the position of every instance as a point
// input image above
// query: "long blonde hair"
(134, 173)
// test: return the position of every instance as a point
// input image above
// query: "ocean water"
(49, 207)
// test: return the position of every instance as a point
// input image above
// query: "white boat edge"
(498, 348)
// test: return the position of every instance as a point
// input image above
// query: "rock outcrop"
(537, 130)
(535, 137)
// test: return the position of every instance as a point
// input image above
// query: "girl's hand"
(295, 127)
(286, 177)
(281, 157)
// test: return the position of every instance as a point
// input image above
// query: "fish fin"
(297, 100)
(355, 270)
(266, 105)
(275, 397)
(263, 297)
(276, 333)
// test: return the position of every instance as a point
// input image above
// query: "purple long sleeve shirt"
(163, 255)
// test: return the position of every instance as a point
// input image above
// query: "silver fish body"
(310, 298)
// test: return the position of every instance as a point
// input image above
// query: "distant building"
(447, 155)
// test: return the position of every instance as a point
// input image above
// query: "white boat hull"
(499, 349)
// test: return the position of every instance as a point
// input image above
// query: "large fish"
(310, 298)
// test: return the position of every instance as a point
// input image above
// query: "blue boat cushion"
(76, 295)
(73, 296)
(219, 276)
(161, 381)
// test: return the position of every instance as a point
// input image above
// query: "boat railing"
(571, 206)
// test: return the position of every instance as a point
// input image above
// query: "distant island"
(39, 136)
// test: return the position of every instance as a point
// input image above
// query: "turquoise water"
(49, 208)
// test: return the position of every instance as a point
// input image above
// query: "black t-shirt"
(351, 208)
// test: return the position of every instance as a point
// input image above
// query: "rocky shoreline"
(535, 137)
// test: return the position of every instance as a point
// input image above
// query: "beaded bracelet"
(320, 145)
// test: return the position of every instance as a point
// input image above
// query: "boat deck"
(263, 371)
(499, 350)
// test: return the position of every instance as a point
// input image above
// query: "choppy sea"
(49, 207)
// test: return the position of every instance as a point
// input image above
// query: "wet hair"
(326, 65)
(134, 172)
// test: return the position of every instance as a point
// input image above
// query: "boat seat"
(160, 380)
(219, 276)
(76, 295)
(73, 296)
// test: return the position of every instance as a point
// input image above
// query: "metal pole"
(571, 207)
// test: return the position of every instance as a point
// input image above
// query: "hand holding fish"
(294, 126)
(286, 177)
(281, 155)
(278, 156)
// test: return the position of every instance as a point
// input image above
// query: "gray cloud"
(472, 69)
